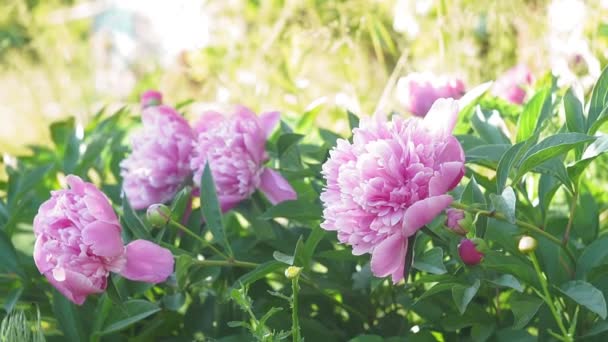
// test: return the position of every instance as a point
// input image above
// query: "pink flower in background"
(390, 182)
(160, 157)
(234, 147)
(78, 243)
(418, 91)
(511, 85)
(151, 98)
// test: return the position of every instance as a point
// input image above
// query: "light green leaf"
(575, 119)
(586, 295)
(505, 203)
(284, 258)
(535, 112)
(599, 99)
(506, 163)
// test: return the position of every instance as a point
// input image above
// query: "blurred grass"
(277, 54)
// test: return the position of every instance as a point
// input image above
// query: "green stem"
(226, 263)
(547, 298)
(525, 225)
(204, 242)
(295, 326)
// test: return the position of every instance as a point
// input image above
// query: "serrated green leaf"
(586, 295)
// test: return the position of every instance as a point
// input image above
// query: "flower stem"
(295, 320)
(525, 225)
(204, 242)
(226, 263)
(547, 298)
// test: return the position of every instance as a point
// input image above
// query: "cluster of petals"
(159, 162)
(391, 181)
(234, 148)
(78, 243)
(511, 85)
(418, 91)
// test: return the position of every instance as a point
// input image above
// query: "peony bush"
(476, 216)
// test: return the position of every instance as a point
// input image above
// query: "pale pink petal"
(442, 116)
(104, 238)
(449, 176)
(147, 262)
(423, 212)
(388, 258)
(268, 121)
(275, 187)
(74, 286)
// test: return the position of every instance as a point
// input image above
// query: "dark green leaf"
(287, 141)
(259, 273)
(301, 210)
(69, 319)
(594, 255)
(353, 120)
(463, 295)
(586, 295)
(524, 309)
(210, 208)
(130, 313)
(431, 261)
(311, 244)
(133, 222)
(508, 280)
(8, 255)
(12, 298)
(506, 163)
(487, 155)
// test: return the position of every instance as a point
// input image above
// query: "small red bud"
(468, 252)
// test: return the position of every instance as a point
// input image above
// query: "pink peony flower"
(151, 98)
(159, 161)
(468, 252)
(390, 182)
(418, 91)
(456, 221)
(234, 147)
(510, 86)
(78, 243)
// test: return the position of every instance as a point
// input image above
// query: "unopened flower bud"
(158, 215)
(151, 98)
(469, 253)
(458, 221)
(527, 244)
(292, 272)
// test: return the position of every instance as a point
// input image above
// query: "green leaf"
(599, 99)
(69, 319)
(130, 313)
(180, 202)
(575, 119)
(12, 298)
(182, 266)
(524, 309)
(133, 222)
(508, 280)
(367, 338)
(287, 141)
(431, 261)
(472, 194)
(307, 121)
(594, 255)
(463, 295)
(535, 112)
(486, 155)
(555, 168)
(353, 120)
(299, 210)
(259, 273)
(506, 163)
(8, 255)
(210, 208)
(552, 146)
(284, 258)
(586, 295)
(505, 203)
(592, 151)
(311, 244)
(598, 328)
(487, 125)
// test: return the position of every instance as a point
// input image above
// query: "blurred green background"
(62, 58)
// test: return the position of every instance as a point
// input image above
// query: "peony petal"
(275, 187)
(449, 175)
(442, 116)
(74, 286)
(423, 212)
(104, 238)
(75, 183)
(388, 257)
(268, 121)
(100, 208)
(147, 262)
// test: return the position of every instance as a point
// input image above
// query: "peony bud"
(151, 98)
(158, 215)
(469, 253)
(458, 221)
(527, 244)
(293, 272)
